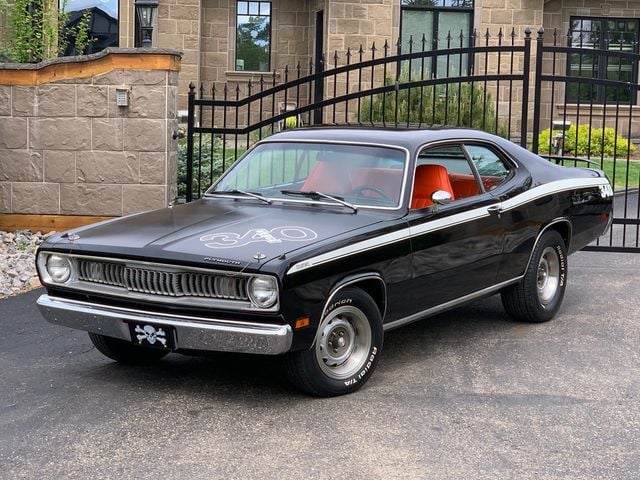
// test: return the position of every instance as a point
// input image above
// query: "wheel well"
(564, 229)
(376, 288)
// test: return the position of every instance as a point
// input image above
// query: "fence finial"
(541, 32)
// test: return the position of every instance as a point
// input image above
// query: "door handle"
(495, 210)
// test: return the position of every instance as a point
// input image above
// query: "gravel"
(17, 261)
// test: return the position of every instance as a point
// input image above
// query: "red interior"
(464, 185)
(387, 179)
(429, 178)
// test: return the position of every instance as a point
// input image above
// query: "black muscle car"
(317, 241)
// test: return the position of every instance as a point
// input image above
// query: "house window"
(435, 19)
(613, 34)
(253, 38)
(102, 23)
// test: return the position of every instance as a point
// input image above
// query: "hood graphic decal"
(274, 235)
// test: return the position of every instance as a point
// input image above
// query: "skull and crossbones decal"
(152, 335)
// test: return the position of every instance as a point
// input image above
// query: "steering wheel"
(363, 188)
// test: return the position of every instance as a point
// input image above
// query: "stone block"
(139, 198)
(172, 79)
(24, 101)
(107, 167)
(35, 198)
(13, 132)
(152, 167)
(184, 12)
(144, 134)
(106, 134)
(92, 101)
(47, 134)
(148, 102)
(20, 166)
(90, 199)
(56, 101)
(5, 100)
(145, 77)
(172, 101)
(5, 198)
(59, 166)
(166, 26)
(501, 17)
(114, 77)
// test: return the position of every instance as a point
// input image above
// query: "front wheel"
(539, 294)
(126, 352)
(346, 349)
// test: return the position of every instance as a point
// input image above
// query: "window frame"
(436, 10)
(237, 14)
(603, 59)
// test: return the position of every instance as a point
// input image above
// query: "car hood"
(223, 232)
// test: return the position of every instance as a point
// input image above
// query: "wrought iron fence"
(586, 114)
(488, 82)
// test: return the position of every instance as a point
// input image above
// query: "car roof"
(410, 138)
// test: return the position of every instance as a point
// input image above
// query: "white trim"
(442, 223)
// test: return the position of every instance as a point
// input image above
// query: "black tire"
(125, 352)
(352, 325)
(535, 299)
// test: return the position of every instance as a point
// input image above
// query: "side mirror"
(440, 197)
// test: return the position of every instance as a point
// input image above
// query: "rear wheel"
(539, 294)
(126, 352)
(346, 349)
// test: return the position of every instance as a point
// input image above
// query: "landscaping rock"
(18, 261)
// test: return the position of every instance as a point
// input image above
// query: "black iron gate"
(585, 113)
(481, 81)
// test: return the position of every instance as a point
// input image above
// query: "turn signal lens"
(263, 291)
(58, 268)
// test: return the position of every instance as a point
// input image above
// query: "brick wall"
(66, 148)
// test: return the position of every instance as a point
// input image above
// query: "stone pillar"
(67, 148)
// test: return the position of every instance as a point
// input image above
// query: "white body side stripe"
(442, 223)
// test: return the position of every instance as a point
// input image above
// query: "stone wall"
(67, 148)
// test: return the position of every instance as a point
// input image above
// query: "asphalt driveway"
(467, 394)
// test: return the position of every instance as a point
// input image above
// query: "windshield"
(368, 176)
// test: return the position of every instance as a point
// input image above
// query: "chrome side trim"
(448, 305)
(192, 333)
(453, 220)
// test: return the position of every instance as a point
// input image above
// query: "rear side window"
(493, 170)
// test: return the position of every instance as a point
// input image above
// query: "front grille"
(154, 281)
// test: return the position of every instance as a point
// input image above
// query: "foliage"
(459, 104)
(589, 142)
(37, 30)
(209, 153)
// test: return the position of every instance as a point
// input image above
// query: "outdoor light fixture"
(146, 10)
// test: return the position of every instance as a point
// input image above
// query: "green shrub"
(209, 154)
(461, 104)
(588, 142)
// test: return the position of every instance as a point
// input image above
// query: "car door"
(456, 248)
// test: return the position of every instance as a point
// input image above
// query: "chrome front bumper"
(193, 333)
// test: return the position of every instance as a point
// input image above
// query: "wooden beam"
(89, 68)
(45, 223)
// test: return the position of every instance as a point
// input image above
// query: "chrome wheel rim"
(343, 342)
(548, 276)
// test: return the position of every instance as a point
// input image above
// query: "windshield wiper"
(257, 196)
(314, 194)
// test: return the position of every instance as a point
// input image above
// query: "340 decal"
(275, 235)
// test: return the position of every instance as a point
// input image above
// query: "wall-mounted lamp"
(146, 10)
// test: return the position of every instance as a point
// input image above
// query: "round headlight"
(263, 291)
(58, 268)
